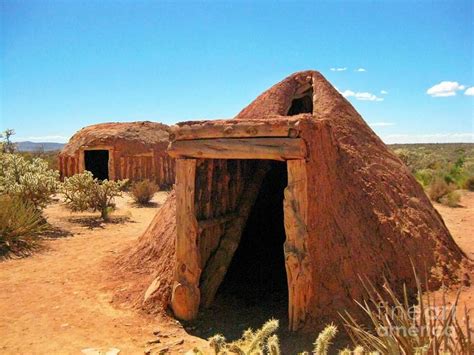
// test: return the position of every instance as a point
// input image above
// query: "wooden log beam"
(185, 297)
(236, 129)
(219, 262)
(297, 260)
(211, 222)
(240, 148)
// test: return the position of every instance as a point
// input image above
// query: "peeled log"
(185, 298)
(297, 261)
(278, 127)
(245, 148)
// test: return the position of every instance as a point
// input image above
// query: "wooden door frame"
(186, 295)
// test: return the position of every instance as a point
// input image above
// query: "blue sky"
(68, 64)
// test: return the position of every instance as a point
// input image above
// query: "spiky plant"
(403, 328)
(32, 181)
(324, 340)
(82, 192)
(217, 343)
(20, 223)
(262, 341)
(273, 345)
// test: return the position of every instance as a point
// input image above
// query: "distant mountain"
(28, 146)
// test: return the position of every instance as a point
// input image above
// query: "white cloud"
(464, 137)
(383, 92)
(41, 139)
(361, 69)
(381, 124)
(362, 96)
(445, 89)
(347, 93)
(338, 69)
(469, 91)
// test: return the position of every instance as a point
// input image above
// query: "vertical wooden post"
(185, 298)
(296, 245)
(81, 162)
(111, 165)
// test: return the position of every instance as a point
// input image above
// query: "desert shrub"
(455, 174)
(399, 327)
(451, 199)
(82, 192)
(20, 223)
(469, 184)
(439, 188)
(50, 157)
(32, 181)
(262, 341)
(424, 177)
(143, 191)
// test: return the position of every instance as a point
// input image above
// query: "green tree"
(7, 146)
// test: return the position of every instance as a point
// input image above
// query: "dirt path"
(460, 222)
(55, 301)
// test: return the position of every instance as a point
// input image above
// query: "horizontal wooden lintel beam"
(236, 129)
(240, 148)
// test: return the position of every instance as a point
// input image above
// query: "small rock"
(100, 351)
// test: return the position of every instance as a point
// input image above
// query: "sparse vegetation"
(451, 199)
(400, 327)
(82, 192)
(143, 191)
(440, 168)
(20, 223)
(469, 185)
(50, 157)
(32, 181)
(438, 189)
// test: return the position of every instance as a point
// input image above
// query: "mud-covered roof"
(140, 132)
(278, 100)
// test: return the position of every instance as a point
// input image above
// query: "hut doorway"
(97, 162)
(228, 190)
(256, 276)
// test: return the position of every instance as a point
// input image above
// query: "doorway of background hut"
(97, 162)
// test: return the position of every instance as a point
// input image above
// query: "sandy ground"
(56, 301)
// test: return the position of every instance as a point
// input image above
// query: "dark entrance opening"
(97, 162)
(255, 287)
(257, 276)
(302, 105)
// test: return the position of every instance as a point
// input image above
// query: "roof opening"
(97, 162)
(302, 104)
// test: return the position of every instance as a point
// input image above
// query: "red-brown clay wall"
(367, 217)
